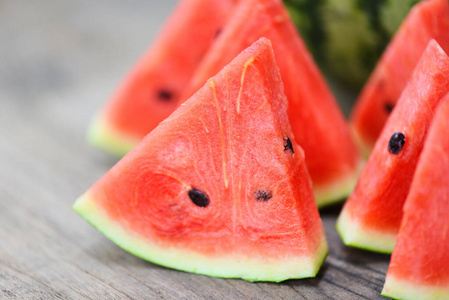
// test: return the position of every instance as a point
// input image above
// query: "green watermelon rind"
(101, 136)
(401, 289)
(346, 33)
(339, 190)
(353, 234)
(246, 268)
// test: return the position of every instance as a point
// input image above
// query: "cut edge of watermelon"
(339, 190)
(101, 136)
(365, 147)
(400, 289)
(353, 234)
(225, 267)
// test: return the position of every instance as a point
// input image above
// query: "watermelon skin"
(419, 268)
(348, 37)
(150, 91)
(371, 216)
(332, 158)
(427, 20)
(229, 141)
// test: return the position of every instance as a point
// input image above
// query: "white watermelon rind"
(364, 147)
(339, 190)
(101, 136)
(400, 289)
(355, 235)
(249, 268)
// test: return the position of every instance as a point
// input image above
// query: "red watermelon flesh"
(427, 20)
(317, 122)
(372, 214)
(419, 267)
(230, 150)
(150, 92)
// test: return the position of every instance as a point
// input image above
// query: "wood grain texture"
(59, 61)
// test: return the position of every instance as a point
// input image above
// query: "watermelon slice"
(220, 187)
(428, 19)
(419, 267)
(372, 214)
(149, 93)
(331, 156)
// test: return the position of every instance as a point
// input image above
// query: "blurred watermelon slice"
(427, 20)
(151, 90)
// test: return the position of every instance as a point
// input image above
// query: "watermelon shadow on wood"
(220, 187)
(371, 216)
(427, 20)
(419, 267)
(151, 90)
(317, 122)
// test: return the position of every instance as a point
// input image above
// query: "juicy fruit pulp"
(151, 91)
(372, 214)
(427, 20)
(331, 156)
(419, 268)
(227, 144)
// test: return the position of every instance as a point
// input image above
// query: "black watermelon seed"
(288, 145)
(263, 195)
(396, 143)
(164, 95)
(388, 107)
(217, 33)
(198, 198)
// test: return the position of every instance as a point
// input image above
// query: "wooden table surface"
(59, 60)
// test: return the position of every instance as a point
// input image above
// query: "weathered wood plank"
(60, 60)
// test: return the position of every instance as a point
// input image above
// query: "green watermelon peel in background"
(252, 213)
(348, 37)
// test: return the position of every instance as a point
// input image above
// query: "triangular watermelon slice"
(220, 187)
(150, 92)
(419, 267)
(317, 122)
(372, 214)
(427, 20)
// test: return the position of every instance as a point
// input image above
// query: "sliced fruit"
(419, 268)
(372, 214)
(427, 20)
(220, 187)
(151, 90)
(317, 122)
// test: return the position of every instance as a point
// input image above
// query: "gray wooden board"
(59, 60)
